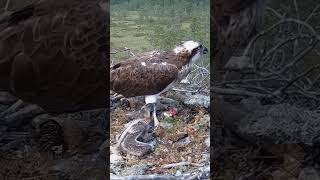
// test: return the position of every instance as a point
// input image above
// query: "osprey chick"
(136, 138)
(150, 74)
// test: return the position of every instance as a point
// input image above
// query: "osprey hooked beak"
(204, 50)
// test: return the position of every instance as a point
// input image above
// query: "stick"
(282, 43)
(184, 90)
(288, 20)
(239, 92)
(167, 166)
(299, 77)
(275, 12)
(312, 13)
(142, 177)
(7, 5)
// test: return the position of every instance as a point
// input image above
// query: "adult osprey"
(53, 53)
(150, 74)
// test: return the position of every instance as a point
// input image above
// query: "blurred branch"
(318, 52)
(238, 92)
(5, 12)
(130, 53)
(275, 12)
(203, 173)
(184, 163)
(7, 5)
(287, 20)
(296, 59)
(296, 9)
(123, 50)
(282, 43)
(299, 77)
(313, 13)
(277, 55)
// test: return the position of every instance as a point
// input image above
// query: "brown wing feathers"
(52, 54)
(138, 78)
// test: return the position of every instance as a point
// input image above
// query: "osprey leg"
(152, 99)
(153, 116)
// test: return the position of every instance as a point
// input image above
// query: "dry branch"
(239, 92)
(6, 7)
(202, 174)
(282, 21)
(299, 77)
(273, 73)
(181, 164)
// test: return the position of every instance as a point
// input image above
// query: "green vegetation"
(144, 25)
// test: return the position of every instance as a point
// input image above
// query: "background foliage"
(144, 25)
(164, 22)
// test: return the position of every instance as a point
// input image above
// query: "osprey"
(136, 136)
(152, 73)
(53, 53)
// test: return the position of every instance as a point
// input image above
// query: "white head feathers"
(187, 45)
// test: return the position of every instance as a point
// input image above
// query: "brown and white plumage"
(142, 76)
(52, 53)
(150, 74)
(135, 137)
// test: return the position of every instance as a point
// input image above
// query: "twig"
(247, 81)
(275, 12)
(130, 53)
(254, 88)
(312, 13)
(287, 20)
(119, 51)
(6, 7)
(202, 68)
(184, 163)
(142, 177)
(296, 59)
(306, 94)
(239, 92)
(11, 136)
(299, 77)
(184, 90)
(12, 108)
(203, 174)
(296, 8)
(282, 43)
(317, 52)
(315, 80)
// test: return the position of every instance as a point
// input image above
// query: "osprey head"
(193, 48)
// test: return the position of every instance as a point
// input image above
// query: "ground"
(180, 139)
